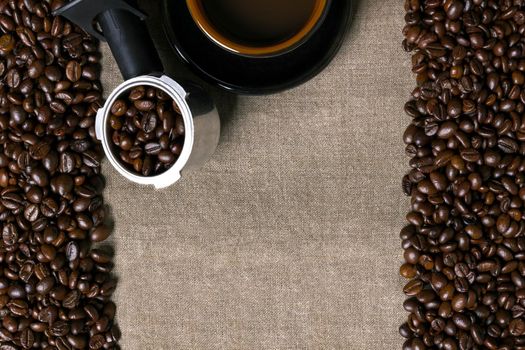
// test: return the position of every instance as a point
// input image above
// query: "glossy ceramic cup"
(198, 13)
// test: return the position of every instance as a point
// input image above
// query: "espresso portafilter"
(122, 26)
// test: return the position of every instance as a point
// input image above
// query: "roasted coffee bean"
(144, 105)
(13, 78)
(53, 287)
(119, 108)
(67, 162)
(59, 328)
(61, 343)
(148, 133)
(517, 327)
(166, 157)
(149, 122)
(45, 285)
(72, 251)
(27, 338)
(73, 71)
(100, 256)
(26, 271)
(10, 234)
(31, 212)
(72, 298)
(464, 249)
(62, 184)
(100, 233)
(413, 287)
(97, 342)
(152, 148)
(39, 150)
(53, 73)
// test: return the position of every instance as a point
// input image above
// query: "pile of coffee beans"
(147, 130)
(464, 246)
(55, 286)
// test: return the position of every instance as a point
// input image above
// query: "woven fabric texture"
(289, 237)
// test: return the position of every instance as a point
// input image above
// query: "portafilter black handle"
(130, 43)
(124, 29)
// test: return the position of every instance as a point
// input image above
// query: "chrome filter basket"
(201, 121)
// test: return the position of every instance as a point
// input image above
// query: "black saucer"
(246, 75)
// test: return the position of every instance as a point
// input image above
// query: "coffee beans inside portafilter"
(464, 246)
(147, 130)
(55, 287)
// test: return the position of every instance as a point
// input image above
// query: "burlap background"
(288, 237)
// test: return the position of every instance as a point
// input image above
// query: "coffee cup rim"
(202, 21)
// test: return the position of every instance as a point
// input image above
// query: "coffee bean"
(454, 9)
(67, 163)
(27, 338)
(59, 328)
(454, 108)
(97, 342)
(31, 212)
(119, 108)
(72, 251)
(9, 234)
(100, 233)
(90, 72)
(137, 93)
(77, 341)
(462, 321)
(166, 156)
(7, 43)
(149, 122)
(13, 78)
(7, 23)
(53, 73)
(152, 148)
(71, 299)
(80, 145)
(45, 285)
(91, 159)
(508, 145)
(106, 290)
(115, 122)
(11, 200)
(39, 150)
(144, 105)
(147, 166)
(413, 287)
(150, 137)
(62, 184)
(517, 327)
(16, 292)
(26, 271)
(470, 155)
(50, 282)
(73, 71)
(462, 255)
(100, 256)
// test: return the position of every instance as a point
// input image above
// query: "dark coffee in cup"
(259, 22)
(257, 27)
